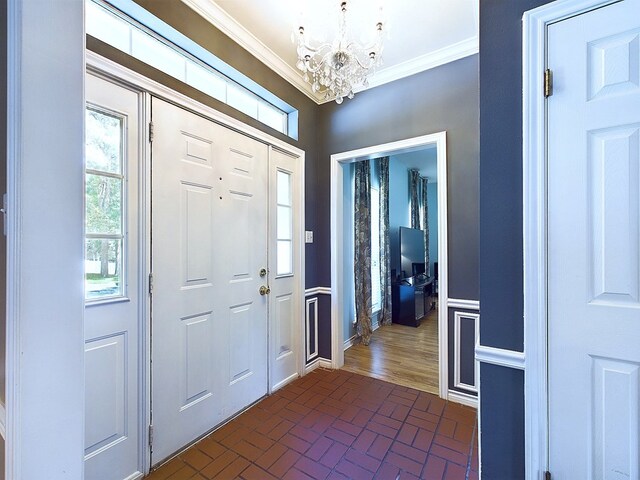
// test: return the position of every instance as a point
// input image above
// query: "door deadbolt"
(264, 290)
(263, 272)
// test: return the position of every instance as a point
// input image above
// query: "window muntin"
(138, 41)
(284, 224)
(104, 204)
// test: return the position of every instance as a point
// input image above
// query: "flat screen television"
(411, 252)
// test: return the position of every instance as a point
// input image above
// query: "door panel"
(209, 243)
(594, 244)
(284, 268)
(112, 324)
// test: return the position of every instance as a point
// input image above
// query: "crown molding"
(212, 12)
(424, 62)
(230, 27)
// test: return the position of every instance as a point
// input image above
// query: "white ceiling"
(421, 34)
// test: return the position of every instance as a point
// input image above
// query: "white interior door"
(209, 321)
(594, 244)
(284, 262)
(112, 282)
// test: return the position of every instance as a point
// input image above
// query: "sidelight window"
(284, 224)
(104, 204)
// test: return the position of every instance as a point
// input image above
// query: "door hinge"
(547, 475)
(150, 283)
(151, 132)
(150, 435)
(548, 83)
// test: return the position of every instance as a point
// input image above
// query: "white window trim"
(190, 52)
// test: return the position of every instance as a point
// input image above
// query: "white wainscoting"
(312, 347)
(467, 394)
(458, 318)
(311, 295)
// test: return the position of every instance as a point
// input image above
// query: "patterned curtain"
(362, 250)
(425, 224)
(385, 248)
(414, 193)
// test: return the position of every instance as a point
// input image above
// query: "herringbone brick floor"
(332, 425)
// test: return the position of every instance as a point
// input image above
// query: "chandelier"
(337, 67)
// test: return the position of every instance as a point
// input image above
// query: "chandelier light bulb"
(338, 67)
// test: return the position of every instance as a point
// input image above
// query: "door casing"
(534, 113)
(100, 66)
(338, 161)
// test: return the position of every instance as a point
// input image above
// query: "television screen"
(411, 252)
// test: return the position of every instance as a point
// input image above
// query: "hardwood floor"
(406, 356)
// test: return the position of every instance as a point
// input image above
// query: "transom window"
(104, 204)
(125, 34)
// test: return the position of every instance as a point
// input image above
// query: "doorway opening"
(415, 291)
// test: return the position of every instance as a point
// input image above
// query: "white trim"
(12, 444)
(44, 362)
(430, 60)
(317, 291)
(243, 37)
(317, 363)
(457, 383)
(282, 383)
(308, 302)
(351, 341)
(3, 422)
(135, 476)
(99, 64)
(240, 35)
(500, 356)
(463, 398)
(338, 160)
(467, 304)
(534, 54)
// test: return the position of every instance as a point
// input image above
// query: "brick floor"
(337, 425)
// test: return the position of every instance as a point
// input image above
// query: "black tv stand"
(411, 300)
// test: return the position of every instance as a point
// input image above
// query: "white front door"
(112, 282)
(594, 244)
(209, 244)
(284, 262)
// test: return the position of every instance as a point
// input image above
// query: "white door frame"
(106, 68)
(338, 161)
(534, 115)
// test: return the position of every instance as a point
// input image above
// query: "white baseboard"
(349, 342)
(463, 398)
(318, 363)
(281, 384)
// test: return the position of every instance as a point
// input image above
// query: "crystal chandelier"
(337, 67)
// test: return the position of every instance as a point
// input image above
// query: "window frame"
(122, 294)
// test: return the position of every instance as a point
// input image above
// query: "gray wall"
(501, 293)
(443, 98)
(398, 207)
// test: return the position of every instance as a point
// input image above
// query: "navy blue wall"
(501, 270)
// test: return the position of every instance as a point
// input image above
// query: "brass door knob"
(264, 290)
